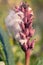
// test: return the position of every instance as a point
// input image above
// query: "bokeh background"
(19, 56)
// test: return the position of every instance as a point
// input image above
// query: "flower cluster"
(27, 29)
(19, 25)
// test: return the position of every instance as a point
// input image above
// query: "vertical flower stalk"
(19, 24)
(27, 31)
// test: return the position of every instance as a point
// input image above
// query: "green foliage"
(7, 47)
(2, 54)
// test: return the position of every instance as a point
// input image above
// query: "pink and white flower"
(19, 24)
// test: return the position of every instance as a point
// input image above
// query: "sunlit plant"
(19, 24)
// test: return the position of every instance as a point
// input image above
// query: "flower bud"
(24, 47)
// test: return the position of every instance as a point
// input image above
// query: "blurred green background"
(37, 53)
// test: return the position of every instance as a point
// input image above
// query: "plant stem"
(27, 57)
